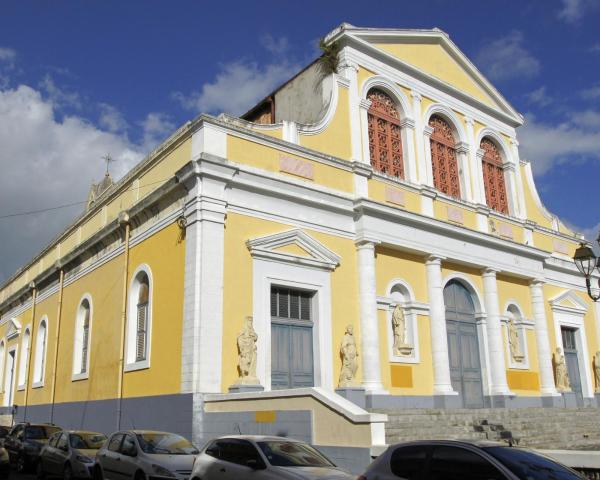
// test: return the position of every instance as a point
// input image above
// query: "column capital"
(480, 152)
(416, 96)
(514, 142)
(364, 103)
(434, 259)
(365, 242)
(469, 121)
(537, 282)
(427, 131)
(407, 123)
(489, 272)
(462, 147)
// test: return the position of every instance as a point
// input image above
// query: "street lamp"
(586, 262)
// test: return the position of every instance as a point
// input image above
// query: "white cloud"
(573, 11)
(539, 97)
(506, 58)
(47, 162)
(241, 83)
(60, 97)
(7, 55)
(111, 118)
(547, 145)
(592, 93)
(156, 127)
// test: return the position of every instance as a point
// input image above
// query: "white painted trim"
(412, 327)
(130, 337)
(14, 329)
(522, 326)
(383, 83)
(535, 195)
(39, 382)
(22, 374)
(267, 273)
(3, 353)
(318, 127)
(77, 349)
(10, 389)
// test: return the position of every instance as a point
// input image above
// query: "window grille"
(493, 177)
(443, 157)
(290, 304)
(142, 321)
(85, 339)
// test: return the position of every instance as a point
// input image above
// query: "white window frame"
(522, 325)
(76, 373)
(24, 359)
(130, 338)
(9, 390)
(3, 353)
(39, 361)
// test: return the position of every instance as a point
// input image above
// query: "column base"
(246, 388)
(356, 395)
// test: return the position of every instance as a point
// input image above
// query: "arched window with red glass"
(443, 157)
(493, 176)
(385, 140)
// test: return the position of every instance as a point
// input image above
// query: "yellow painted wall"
(335, 139)
(440, 210)
(436, 61)
(267, 158)
(237, 295)
(377, 192)
(392, 264)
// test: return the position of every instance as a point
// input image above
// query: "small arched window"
(81, 350)
(139, 320)
(385, 139)
(23, 363)
(493, 177)
(443, 157)
(40, 352)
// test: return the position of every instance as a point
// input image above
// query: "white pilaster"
(522, 209)
(511, 188)
(427, 132)
(439, 338)
(363, 107)
(543, 342)
(479, 173)
(476, 180)
(408, 140)
(464, 171)
(369, 327)
(419, 145)
(494, 327)
(350, 72)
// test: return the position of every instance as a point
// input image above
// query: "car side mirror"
(254, 464)
(131, 452)
(64, 448)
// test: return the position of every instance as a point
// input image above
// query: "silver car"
(263, 458)
(144, 454)
(69, 454)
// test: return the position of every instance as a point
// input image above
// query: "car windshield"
(39, 432)
(293, 454)
(86, 441)
(528, 465)
(167, 443)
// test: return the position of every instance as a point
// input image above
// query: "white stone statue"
(513, 341)
(560, 369)
(597, 371)
(246, 342)
(400, 347)
(349, 354)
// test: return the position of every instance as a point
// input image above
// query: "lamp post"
(586, 263)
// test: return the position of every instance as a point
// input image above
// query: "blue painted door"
(572, 361)
(291, 339)
(463, 345)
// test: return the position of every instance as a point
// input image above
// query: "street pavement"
(16, 476)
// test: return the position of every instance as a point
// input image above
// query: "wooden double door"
(463, 345)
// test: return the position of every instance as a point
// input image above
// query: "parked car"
(263, 458)
(4, 464)
(142, 454)
(69, 454)
(462, 460)
(25, 441)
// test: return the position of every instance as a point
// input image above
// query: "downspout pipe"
(124, 222)
(29, 347)
(61, 282)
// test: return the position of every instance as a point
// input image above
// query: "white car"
(256, 457)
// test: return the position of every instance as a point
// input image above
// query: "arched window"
(443, 157)
(2, 361)
(24, 358)
(139, 320)
(385, 141)
(40, 352)
(81, 350)
(493, 177)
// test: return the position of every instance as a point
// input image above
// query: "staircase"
(544, 428)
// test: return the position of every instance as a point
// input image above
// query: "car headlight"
(83, 459)
(162, 471)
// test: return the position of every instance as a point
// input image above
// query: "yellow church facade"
(388, 196)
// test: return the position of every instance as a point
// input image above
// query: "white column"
(522, 209)
(494, 327)
(439, 338)
(479, 173)
(464, 171)
(476, 181)
(408, 139)
(350, 72)
(543, 342)
(363, 107)
(427, 132)
(369, 326)
(420, 150)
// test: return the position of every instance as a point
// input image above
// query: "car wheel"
(97, 474)
(67, 472)
(139, 475)
(21, 464)
(41, 475)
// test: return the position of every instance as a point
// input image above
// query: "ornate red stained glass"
(443, 157)
(493, 177)
(385, 141)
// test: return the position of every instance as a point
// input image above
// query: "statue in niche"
(560, 370)
(349, 354)
(400, 346)
(513, 341)
(597, 371)
(246, 342)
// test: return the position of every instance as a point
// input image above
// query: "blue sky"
(79, 79)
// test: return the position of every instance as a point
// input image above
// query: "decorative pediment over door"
(14, 329)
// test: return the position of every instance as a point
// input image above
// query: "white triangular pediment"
(569, 300)
(14, 328)
(306, 250)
